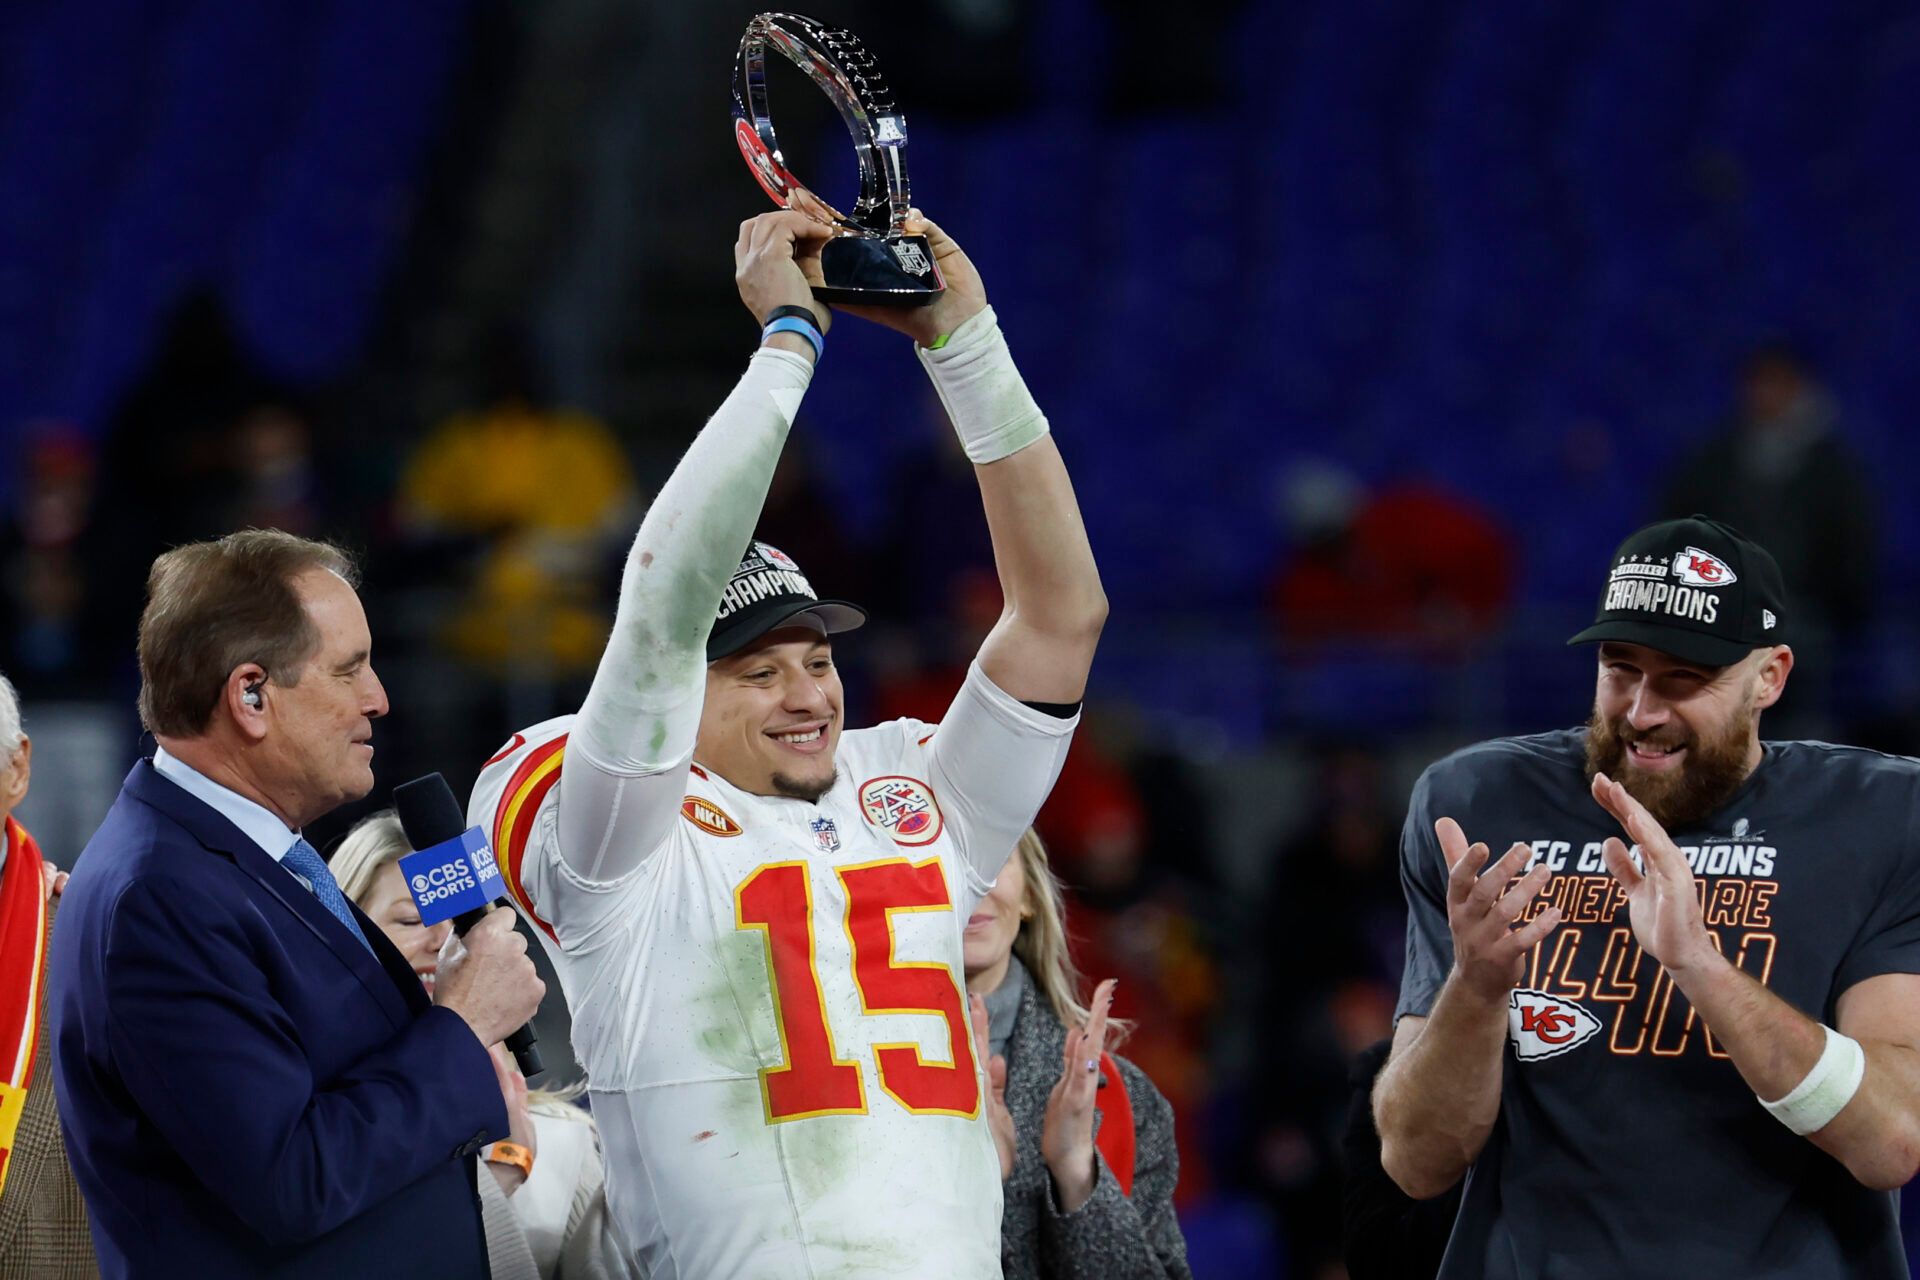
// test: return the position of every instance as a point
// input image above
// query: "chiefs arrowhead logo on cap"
(775, 556)
(1699, 568)
(1544, 1026)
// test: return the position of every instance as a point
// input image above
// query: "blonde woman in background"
(552, 1223)
(1067, 1213)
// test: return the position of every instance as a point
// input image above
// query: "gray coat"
(1111, 1236)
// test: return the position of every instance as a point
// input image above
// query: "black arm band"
(1058, 710)
(798, 313)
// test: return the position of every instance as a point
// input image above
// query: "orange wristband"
(512, 1153)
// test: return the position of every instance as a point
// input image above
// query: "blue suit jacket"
(246, 1090)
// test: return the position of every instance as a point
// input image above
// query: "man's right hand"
(488, 978)
(1488, 952)
(776, 263)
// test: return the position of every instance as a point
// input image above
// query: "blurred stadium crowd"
(1367, 328)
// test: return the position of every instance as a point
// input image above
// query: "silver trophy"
(872, 260)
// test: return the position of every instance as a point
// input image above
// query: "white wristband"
(993, 413)
(1828, 1088)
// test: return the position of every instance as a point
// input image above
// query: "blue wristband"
(794, 324)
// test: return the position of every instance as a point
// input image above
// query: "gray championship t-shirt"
(1627, 1144)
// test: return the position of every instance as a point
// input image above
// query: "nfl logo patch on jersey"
(1544, 1026)
(825, 834)
(902, 807)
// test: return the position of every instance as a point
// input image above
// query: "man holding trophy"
(756, 917)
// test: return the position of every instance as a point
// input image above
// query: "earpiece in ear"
(251, 695)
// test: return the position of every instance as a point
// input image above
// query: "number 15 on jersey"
(813, 1080)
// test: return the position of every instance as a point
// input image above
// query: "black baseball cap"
(767, 591)
(1695, 588)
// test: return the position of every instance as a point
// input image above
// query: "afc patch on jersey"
(1544, 1026)
(902, 807)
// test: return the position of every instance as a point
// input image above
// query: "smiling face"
(1680, 737)
(389, 905)
(320, 728)
(771, 722)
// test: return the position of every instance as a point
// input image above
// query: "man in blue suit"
(252, 1080)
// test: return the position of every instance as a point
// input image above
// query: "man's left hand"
(53, 878)
(1661, 900)
(965, 296)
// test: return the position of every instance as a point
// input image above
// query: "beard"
(1714, 767)
(810, 790)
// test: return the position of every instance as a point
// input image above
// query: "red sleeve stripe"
(513, 823)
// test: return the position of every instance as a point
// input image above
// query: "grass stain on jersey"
(743, 994)
(820, 1152)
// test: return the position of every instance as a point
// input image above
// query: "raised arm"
(635, 733)
(1043, 645)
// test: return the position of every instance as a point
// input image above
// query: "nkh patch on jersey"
(708, 816)
(1544, 1026)
(902, 807)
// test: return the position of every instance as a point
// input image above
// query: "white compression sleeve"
(642, 714)
(992, 411)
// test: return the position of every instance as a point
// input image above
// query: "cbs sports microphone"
(452, 875)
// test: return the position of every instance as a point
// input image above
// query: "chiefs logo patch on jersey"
(903, 807)
(1544, 1026)
(708, 816)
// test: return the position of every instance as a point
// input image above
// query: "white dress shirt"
(257, 822)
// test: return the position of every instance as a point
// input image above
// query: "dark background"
(1367, 329)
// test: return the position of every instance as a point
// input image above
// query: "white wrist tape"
(992, 411)
(1829, 1087)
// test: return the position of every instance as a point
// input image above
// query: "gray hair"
(12, 732)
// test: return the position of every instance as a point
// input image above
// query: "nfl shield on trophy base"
(872, 261)
(893, 270)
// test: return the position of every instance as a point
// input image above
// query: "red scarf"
(23, 977)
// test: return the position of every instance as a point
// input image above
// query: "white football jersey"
(771, 1007)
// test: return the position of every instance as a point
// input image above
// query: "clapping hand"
(1488, 952)
(1661, 900)
(1067, 1138)
(993, 1087)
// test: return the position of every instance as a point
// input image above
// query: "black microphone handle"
(526, 1053)
(522, 1043)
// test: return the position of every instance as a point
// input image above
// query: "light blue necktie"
(305, 861)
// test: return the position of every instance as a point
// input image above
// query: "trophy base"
(896, 271)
